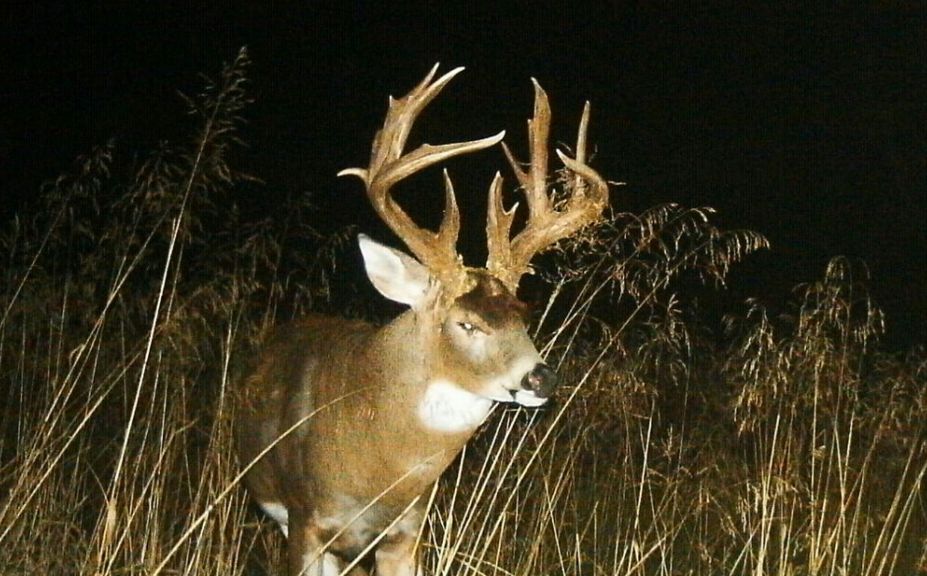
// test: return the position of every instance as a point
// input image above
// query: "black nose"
(541, 380)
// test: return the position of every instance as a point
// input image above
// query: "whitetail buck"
(361, 419)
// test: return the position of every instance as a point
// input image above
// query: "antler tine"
(534, 182)
(509, 259)
(388, 166)
(498, 228)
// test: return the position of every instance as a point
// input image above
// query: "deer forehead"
(491, 300)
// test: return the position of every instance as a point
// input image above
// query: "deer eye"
(469, 327)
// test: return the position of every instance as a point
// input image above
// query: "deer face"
(486, 350)
(478, 346)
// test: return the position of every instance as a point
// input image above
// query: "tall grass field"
(134, 295)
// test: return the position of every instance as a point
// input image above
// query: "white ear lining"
(394, 274)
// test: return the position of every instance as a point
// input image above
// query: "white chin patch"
(448, 408)
(529, 399)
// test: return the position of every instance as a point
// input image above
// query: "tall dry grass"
(132, 298)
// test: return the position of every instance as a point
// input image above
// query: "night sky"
(795, 120)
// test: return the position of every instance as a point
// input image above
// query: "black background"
(802, 121)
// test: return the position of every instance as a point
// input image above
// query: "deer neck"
(424, 411)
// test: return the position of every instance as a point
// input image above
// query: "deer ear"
(394, 274)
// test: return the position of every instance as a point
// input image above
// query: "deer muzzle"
(541, 380)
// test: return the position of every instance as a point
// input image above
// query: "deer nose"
(541, 380)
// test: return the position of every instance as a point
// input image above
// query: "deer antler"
(388, 166)
(509, 258)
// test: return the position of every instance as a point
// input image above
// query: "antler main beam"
(388, 166)
(509, 258)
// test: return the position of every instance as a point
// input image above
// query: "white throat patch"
(448, 408)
